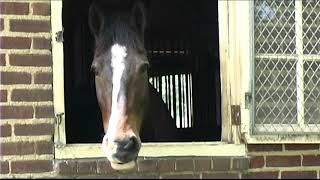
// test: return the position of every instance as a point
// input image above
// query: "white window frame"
(229, 145)
(247, 58)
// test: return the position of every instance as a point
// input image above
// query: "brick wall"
(26, 116)
(284, 161)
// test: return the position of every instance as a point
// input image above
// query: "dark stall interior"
(182, 41)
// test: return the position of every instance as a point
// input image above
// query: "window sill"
(74, 151)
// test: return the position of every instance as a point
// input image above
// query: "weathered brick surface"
(87, 167)
(104, 167)
(264, 147)
(283, 161)
(184, 165)
(41, 43)
(221, 164)
(261, 175)
(147, 166)
(31, 95)
(30, 26)
(202, 164)
(44, 112)
(4, 167)
(299, 175)
(5, 130)
(224, 175)
(43, 78)
(44, 147)
(16, 148)
(181, 176)
(41, 9)
(1, 24)
(16, 112)
(2, 59)
(240, 164)
(14, 8)
(67, 168)
(3, 95)
(30, 60)
(8, 78)
(166, 165)
(31, 166)
(15, 42)
(257, 162)
(311, 160)
(33, 129)
(299, 147)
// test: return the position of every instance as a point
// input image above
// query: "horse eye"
(143, 68)
(94, 70)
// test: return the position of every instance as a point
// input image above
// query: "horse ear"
(138, 18)
(95, 18)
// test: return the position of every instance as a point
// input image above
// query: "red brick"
(66, 167)
(104, 167)
(15, 42)
(16, 112)
(149, 165)
(261, 175)
(257, 162)
(264, 147)
(166, 165)
(41, 9)
(283, 161)
(87, 167)
(31, 95)
(29, 26)
(221, 164)
(5, 130)
(41, 43)
(298, 147)
(14, 8)
(311, 160)
(31, 166)
(184, 165)
(3, 95)
(202, 164)
(43, 78)
(181, 176)
(17, 148)
(33, 129)
(8, 78)
(224, 175)
(44, 112)
(299, 175)
(44, 147)
(1, 24)
(2, 60)
(30, 60)
(4, 167)
(137, 176)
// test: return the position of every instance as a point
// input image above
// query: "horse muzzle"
(122, 154)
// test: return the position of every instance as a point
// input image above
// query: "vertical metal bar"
(299, 70)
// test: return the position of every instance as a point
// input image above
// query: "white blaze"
(118, 54)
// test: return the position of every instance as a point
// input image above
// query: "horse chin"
(125, 166)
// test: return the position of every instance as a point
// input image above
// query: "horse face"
(120, 64)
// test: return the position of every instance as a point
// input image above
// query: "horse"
(132, 110)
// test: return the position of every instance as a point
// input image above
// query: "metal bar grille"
(286, 67)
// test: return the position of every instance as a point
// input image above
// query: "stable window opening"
(182, 41)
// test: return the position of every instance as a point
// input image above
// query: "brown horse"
(130, 107)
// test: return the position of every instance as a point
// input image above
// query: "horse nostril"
(131, 144)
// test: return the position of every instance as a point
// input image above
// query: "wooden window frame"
(229, 145)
